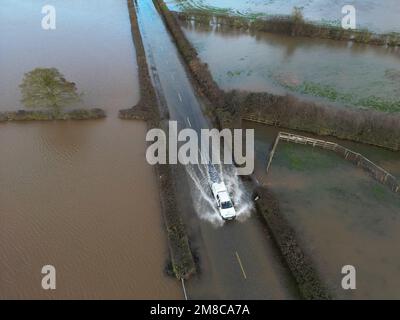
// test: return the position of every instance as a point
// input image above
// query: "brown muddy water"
(78, 195)
(340, 214)
(376, 15)
(332, 71)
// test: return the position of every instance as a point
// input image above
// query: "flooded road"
(78, 195)
(331, 71)
(344, 218)
(221, 275)
(378, 16)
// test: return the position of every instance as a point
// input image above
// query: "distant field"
(371, 14)
(358, 76)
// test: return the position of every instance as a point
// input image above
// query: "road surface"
(239, 259)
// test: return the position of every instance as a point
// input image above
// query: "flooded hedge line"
(292, 26)
(299, 263)
(147, 109)
(44, 115)
(365, 126)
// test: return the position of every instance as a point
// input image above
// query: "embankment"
(44, 115)
(292, 26)
(148, 109)
(299, 263)
(360, 125)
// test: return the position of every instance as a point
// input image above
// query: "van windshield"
(226, 205)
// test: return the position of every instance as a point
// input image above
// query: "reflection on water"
(376, 15)
(345, 217)
(77, 195)
(89, 47)
(351, 74)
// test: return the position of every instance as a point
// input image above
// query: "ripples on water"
(77, 195)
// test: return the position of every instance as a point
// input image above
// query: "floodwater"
(346, 218)
(78, 195)
(333, 71)
(376, 15)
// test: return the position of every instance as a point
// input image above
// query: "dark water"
(341, 215)
(77, 195)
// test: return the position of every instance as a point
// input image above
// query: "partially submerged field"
(357, 75)
(344, 218)
(78, 195)
(371, 14)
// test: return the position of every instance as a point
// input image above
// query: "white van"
(224, 203)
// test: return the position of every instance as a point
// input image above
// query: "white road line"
(241, 266)
(172, 76)
(184, 289)
(179, 96)
(188, 120)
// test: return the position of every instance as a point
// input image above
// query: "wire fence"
(358, 159)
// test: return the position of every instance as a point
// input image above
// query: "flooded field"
(354, 75)
(378, 16)
(78, 195)
(344, 218)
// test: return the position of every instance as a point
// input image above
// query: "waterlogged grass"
(332, 94)
(380, 193)
(303, 158)
(238, 73)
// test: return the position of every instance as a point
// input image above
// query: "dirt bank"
(41, 115)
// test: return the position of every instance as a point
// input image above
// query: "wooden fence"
(358, 159)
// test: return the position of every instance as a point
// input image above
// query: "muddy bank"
(286, 111)
(299, 263)
(77, 114)
(294, 26)
(147, 108)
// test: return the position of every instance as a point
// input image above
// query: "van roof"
(224, 197)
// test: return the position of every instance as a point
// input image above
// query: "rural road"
(239, 259)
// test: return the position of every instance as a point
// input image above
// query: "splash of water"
(204, 202)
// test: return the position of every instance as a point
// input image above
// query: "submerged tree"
(47, 88)
(297, 15)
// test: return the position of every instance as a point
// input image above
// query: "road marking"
(188, 120)
(241, 266)
(179, 96)
(172, 76)
(184, 289)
